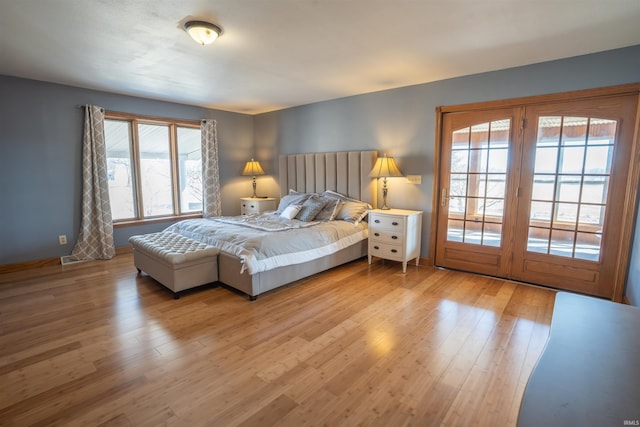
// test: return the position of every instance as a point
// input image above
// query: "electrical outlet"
(414, 179)
(62, 239)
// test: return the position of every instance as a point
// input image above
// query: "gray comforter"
(267, 241)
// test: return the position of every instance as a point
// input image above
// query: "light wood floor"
(97, 344)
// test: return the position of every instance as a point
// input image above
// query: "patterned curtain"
(96, 230)
(211, 201)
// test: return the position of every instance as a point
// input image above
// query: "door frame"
(633, 179)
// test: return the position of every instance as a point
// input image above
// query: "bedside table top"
(257, 198)
(395, 211)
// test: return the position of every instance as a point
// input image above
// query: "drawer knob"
(377, 221)
(394, 237)
(376, 247)
(252, 206)
(394, 223)
(376, 234)
(394, 251)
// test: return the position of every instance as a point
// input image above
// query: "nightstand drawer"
(387, 236)
(386, 250)
(389, 222)
(250, 206)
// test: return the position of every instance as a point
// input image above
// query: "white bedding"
(260, 250)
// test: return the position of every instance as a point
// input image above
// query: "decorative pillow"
(290, 211)
(352, 210)
(330, 209)
(292, 191)
(292, 199)
(336, 195)
(310, 208)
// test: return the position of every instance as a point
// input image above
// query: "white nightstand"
(249, 205)
(395, 234)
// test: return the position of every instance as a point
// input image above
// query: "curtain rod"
(87, 105)
(150, 118)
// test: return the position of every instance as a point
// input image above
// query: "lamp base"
(385, 191)
(254, 189)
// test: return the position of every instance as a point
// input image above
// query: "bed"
(339, 174)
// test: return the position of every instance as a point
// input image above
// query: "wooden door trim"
(630, 211)
(633, 179)
(435, 205)
(628, 89)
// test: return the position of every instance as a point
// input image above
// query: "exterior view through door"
(543, 191)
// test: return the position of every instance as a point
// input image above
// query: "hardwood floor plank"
(99, 344)
(271, 413)
(309, 411)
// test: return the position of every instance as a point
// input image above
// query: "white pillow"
(291, 211)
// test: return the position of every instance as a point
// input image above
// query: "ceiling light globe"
(202, 32)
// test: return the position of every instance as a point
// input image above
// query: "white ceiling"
(275, 54)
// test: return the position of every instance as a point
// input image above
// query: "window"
(154, 167)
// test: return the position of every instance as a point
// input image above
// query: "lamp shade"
(385, 167)
(202, 32)
(252, 168)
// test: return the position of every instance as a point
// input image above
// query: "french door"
(479, 173)
(538, 193)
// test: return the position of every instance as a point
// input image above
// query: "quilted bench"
(176, 261)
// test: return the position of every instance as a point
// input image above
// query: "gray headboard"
(346, 172)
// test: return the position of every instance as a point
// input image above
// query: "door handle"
(443, 197)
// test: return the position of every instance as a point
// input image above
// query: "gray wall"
(40, 162)
(401, 122)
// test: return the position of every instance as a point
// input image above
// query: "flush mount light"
(202, 32)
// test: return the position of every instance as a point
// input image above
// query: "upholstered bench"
(176, 261)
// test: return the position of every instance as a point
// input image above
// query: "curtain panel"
(211, 200)
(95, 240)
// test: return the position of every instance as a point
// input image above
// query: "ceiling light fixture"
(202, 32)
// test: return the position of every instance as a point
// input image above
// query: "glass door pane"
(477, 183)
(573, 158)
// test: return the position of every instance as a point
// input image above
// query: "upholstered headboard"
(346, 172)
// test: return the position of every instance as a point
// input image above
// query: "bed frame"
(344, 172)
